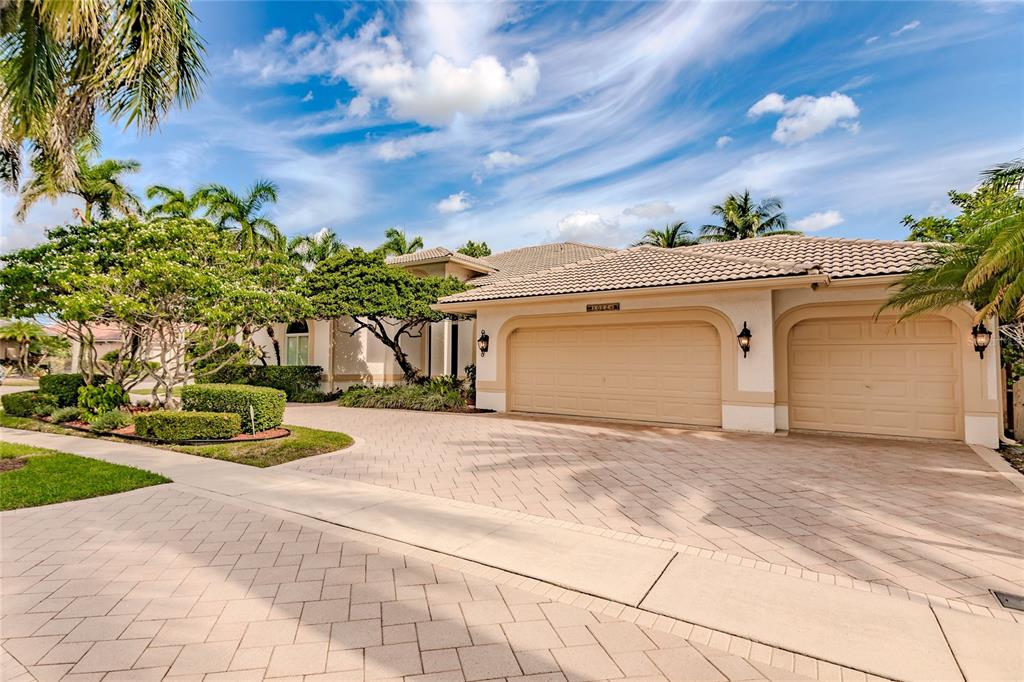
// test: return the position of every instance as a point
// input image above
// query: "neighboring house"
(442, 348)
(650, 334)
(107, 337)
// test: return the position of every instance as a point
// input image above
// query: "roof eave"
(777, 282)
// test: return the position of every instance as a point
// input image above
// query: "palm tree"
(65, 61)
(241, 215)
(24, 333)
(985, 268)
(173, 203)
(743, 218)
(397, 244)
(310, 249)
(671, 236)
(99, 185)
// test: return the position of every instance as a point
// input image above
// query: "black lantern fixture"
(483, 343)
(982, 337)
(743, 338)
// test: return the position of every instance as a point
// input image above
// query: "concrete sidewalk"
(893, 638)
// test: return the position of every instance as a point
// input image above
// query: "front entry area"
(864, 376)
(668, 373)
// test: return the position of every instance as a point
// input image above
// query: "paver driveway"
(169, 582)
(926, 517)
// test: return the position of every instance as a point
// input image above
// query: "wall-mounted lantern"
(982, 337)
(483, 343)
(743, 338)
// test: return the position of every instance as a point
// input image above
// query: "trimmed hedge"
(28, 404)
(267, 403)
(294, 380)
(64, 387)
(178, 426)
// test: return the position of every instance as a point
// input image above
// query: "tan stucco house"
(650, 335)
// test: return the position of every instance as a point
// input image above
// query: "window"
(297, 344)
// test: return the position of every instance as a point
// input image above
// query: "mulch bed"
(12, 464)
(129, 432)
(1015, 456)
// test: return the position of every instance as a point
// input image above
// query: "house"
(442, 348)
(762, 335)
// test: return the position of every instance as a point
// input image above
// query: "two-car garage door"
(654, 372)
(860, 375)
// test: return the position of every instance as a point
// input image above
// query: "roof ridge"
(540, 246)
(796, 266)
(556, 268)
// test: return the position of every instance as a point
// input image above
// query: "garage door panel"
(664, 373)
(872, 377)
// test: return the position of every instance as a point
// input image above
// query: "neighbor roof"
(528, 259)
(837, 257)
(635, 268)
(439, 254)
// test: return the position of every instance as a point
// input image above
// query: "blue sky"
(520, 124)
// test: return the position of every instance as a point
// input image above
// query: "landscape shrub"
(294, 380)
(111, 420)
(28, 404)
(315, 397)
(104, 398)
(267, 403)
(64, 415)
(180, 426)
(433, 396)
(63, 387)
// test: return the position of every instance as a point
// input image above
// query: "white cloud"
(584, 226)
(374, 62)
(308, 97)
(455, 203)
(722, 141)
(816, 222)
(394, 150)
(503, 159)
(870, 40)
(359, 106)
(651, 210)
(806, 116)
(906, 27)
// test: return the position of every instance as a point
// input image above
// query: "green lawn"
(49, 477)
(301, 443)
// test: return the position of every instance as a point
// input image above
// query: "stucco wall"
(751, 395)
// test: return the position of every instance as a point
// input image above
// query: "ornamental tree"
(176, 289)
(387, 301)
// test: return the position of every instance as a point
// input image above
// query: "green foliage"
(471, 383)
(374, 294)
(671, 236)
(975, 208)
(64, 62)
(316, 396)
(110, 420)
(292, 379)
(28, 404)
(103, 398)
(397, 244)
(175, 427)
(63, 387)
(267, 403)
(241, 217)
(475, 249)
(25, 333)
(49, 477)
(64, 415)
(310, 249)
(433, 396)
(744, 218)
(984, 268)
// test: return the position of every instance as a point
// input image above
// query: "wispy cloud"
(821, 220)
(906, 27)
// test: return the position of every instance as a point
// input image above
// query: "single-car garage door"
(876, 377)
(660, 373)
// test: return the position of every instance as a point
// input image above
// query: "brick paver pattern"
(923, 516)
(167, 583)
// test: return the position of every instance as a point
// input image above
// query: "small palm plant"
(309, 250)
(173, 203)
(671, 236)
(241, 215)
(24, 333)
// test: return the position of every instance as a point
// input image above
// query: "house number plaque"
(601, 307)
